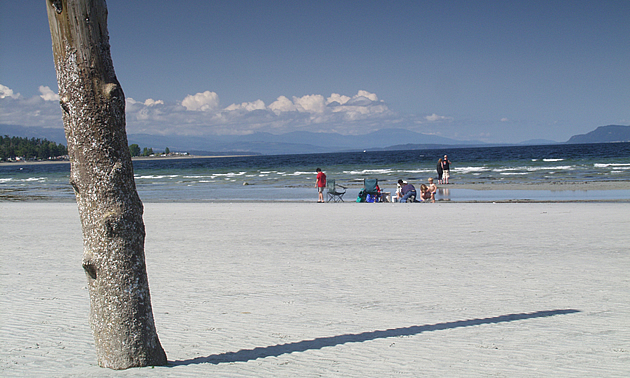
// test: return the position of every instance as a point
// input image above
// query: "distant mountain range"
(302, 142)
(53, 135)
(604, 134)
(298, 142)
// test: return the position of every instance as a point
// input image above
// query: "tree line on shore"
(135, 150)
(17, 148)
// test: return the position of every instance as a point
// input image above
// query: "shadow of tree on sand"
(245, 355)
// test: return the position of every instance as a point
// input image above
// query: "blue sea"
(292, 177)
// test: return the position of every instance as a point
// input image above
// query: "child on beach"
(432, 189)
(425, 194)
(321, 184)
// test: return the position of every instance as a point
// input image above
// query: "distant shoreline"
(135, 158)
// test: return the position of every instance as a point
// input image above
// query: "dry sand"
(337, 290)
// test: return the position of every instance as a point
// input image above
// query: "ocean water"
(292, 177)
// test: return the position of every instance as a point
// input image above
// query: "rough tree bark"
(93, 108)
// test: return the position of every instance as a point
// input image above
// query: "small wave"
(299, 173)
(229, 174)
(149, 177)
(534, 169)
(615, 165)
(369, 172)
(552, 159)
(419, 171)
(470, 169)
(556, 168)
(509, 169)
(5, 180)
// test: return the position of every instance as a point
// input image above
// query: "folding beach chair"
(335, 191)
(369, 187)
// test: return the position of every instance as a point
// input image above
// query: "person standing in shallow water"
(439, 170)
(321, 184)
(445, 169)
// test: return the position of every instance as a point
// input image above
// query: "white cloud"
(247, 106)
(335, 97)
(34, 111)
(371, 96)
(338, 113)
(362, 103)
(7, 92)
(282, 104)
(147, 102)
(152, 102)
(205, 101)
(201, 114)
(504, 119)
(434, 117)
(310, 103)
(47, 94)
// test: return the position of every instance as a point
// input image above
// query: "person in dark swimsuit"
(445, 169)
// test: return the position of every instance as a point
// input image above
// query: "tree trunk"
(93, 108)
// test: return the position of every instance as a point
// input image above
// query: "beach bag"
(361, 197)
(369, 198)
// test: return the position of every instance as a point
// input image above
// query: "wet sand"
(555, 186)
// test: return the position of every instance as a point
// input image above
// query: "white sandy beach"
(337, 290)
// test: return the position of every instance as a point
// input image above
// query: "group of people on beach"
(405, 192)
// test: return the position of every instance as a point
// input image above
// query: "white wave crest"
(465, 170)
(614, 165)
(228, 175)
(149, 177)
(369, 172)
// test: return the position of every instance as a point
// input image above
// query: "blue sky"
(495, 71)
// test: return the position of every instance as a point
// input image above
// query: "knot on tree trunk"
(90, 269)
(58, 5)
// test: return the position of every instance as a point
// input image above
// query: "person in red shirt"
(321, 184)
